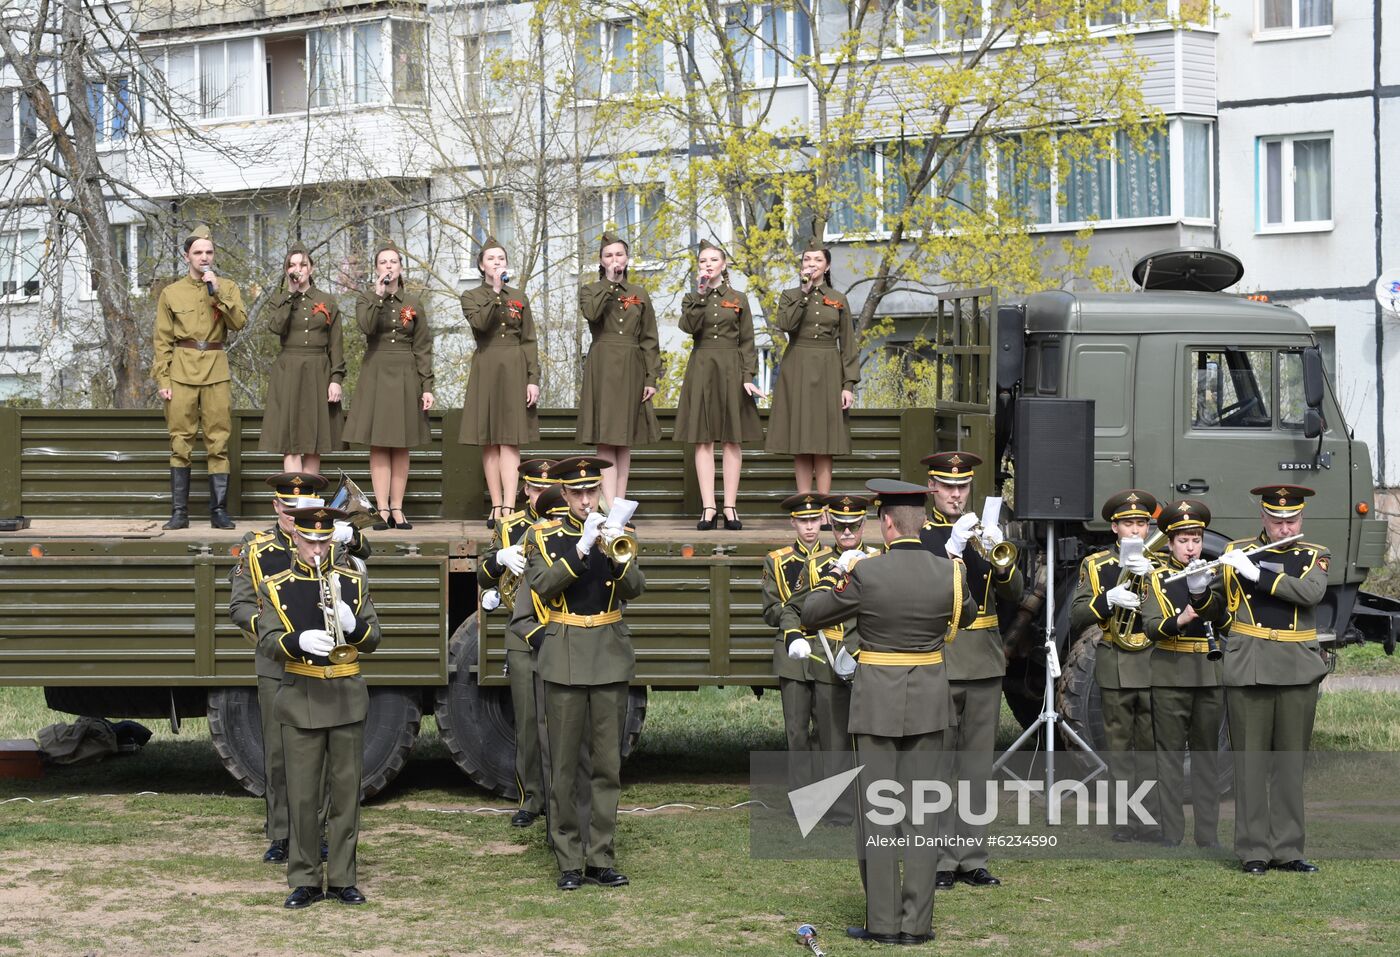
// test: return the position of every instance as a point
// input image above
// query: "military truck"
(1196, 392)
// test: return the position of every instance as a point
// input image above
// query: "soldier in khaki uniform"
(507, 556)
(1179, 618)
(321, 706)
(784, 573)
(1123, 662)
(586, 662)
(907, 604)
(1273, 664)
(976, 661)
(262, 554)
(194, 315)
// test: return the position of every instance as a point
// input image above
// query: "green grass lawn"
(93, 865)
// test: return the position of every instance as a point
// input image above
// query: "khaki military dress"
(821, 360)
(298, 419)
(398, 369)
(714, 406)
(625, 358)
(505, 362)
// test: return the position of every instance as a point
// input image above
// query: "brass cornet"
(1120, 626)
(1000, 556)
(343, 652)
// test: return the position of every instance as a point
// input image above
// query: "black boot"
(179, 498)
(218, 501)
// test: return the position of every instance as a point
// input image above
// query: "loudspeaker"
(1054, 451)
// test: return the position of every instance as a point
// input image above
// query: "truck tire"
(477, 723)
(235, 724)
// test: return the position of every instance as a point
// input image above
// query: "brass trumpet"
(1120, 626)
(621, 548)
(343, 652)
(1000, 556)
(355, 503)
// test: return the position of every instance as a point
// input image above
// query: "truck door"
(1240, 425)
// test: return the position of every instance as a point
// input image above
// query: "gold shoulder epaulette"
(778, 553)
(276, 579)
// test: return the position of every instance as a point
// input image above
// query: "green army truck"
(1196, 393)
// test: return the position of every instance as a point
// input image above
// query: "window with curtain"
(1087, 186)
(485, 54)
(489, 216)
(1295, 181)
(1294, 15)
(323, 54)
(786, 35)
(1024, 181)
(1143, 176)
(241, 97)
(368, 65)
(853, 211)
(920, 22)
(894, 160)
(21, 254)
(588, 62)
(591, 219)
(409, 50)
(1196, 149)
(182, 82)
(963, 176)
(740, 41)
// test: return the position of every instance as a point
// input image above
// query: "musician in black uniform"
(976, 660)
(260, 554)
(507, 554)
(1181, 618)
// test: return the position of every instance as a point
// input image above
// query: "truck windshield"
(1232, 388)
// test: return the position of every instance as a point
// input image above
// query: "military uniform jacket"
(1115, 668)
(822, 315)
(291, 603)
(1282, 603)
(845, 635)
(721, 317)
(908, 601)
(310, 321)
(623, 309)
(560, 581)
(396, 323)
(1179, 656)
(503, 318)
(263, 554)
(511, 530)
(185, 311)
(785, 572)
(978, 653)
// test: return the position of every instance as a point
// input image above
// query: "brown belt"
(200, 344)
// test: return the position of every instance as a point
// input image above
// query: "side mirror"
(1313, 423)
(1312, 378)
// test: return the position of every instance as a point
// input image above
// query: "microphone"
(209, 285)
(807, 936)
(505, 277)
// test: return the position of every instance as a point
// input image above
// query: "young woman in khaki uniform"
(717, 394)
(619, 377)
(817, 378)
(303, 417)
(503, 389)
(395, 391)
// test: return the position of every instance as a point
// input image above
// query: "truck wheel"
(235, 724)
(477, 722)
(1077, 696)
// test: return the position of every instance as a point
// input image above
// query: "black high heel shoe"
(402, 523)
(491, 519)
(732, 524)
(385, 521)
(707, 524)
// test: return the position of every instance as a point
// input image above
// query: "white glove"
(512, 557)
(799, 649)
(343, 533)
(316, 642)
(960, 535)
(1241, 563)
(1142, 565)
(1121, 596)
(1198, 581)
(849, 558)
(346, 616)
(592, 528)
(845, 665)
(992, 536)
(490, 600)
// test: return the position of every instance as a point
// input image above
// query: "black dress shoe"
(943, 881)
(860, 933)
(977, 877)
(1254, 867)
(523, 818)
(276, 853)
(732, 524)
(303, 897)
(383, 524)
(708, 516)
(570, 881)
(346, 895)
(1299, 866)
(401, 523)
(605, 876)
(905, 938)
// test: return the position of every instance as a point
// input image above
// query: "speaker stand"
(1049, 718)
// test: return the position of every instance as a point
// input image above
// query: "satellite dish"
(1192, 268)
(1388, 290)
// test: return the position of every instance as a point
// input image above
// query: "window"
(1136, 184)
(1144, 12)
(786, 36)
(347, 64)
(1294, 16)
(410, 50)
(109, 102)
(631, 212)
(1295, 182)
(738, 38)
(19, 385)
(212, 80)
(1232, 389)
(122, 245)
(19, 128)
(926, 23)
(286, 61)
(856, 182)
(613, 57)
(484, 57)
(21, 254)
(1292, 400)
(1023, 180)
(366, 64)
(1195, 143)
(488, 216)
